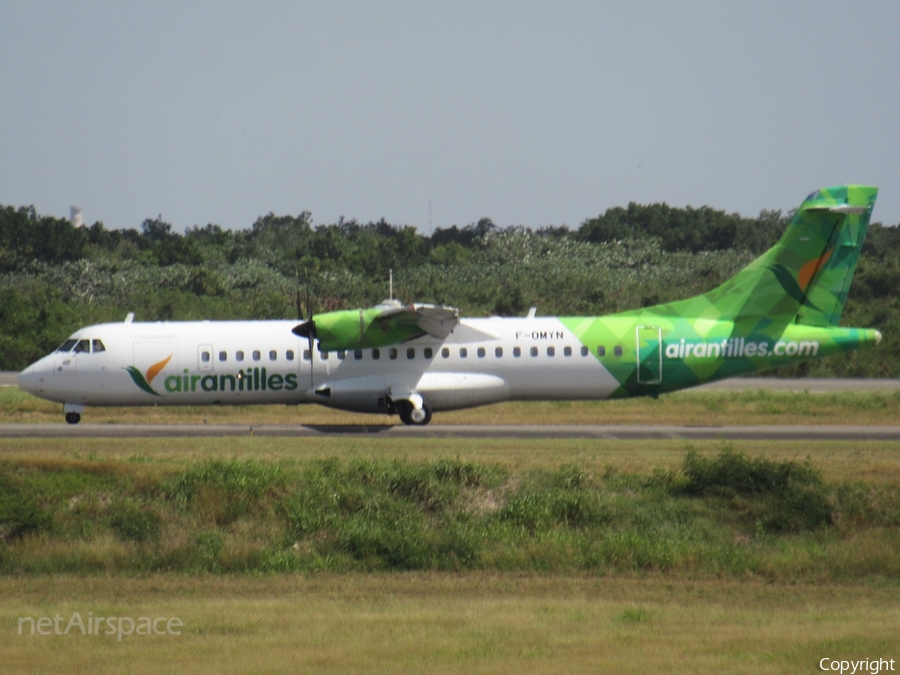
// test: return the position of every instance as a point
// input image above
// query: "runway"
(436, 431)
(761, 433)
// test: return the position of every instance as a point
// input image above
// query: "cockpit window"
(83, 346)
(98, 346)
(66, 346)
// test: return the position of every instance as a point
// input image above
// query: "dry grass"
(711, 408)
(437, 623)
(876, 462)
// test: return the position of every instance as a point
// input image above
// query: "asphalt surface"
(761, 433)
(812, 385)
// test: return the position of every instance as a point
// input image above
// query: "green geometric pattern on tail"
(805, 277)
(784, 304)
(830, 283)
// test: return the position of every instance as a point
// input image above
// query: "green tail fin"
(829, 283)
(806, 276)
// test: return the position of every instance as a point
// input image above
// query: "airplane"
(415, 360)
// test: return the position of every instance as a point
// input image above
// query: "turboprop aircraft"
(415, 360)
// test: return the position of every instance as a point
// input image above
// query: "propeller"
(299, 306)
(306, 329)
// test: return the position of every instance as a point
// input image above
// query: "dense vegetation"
(55, 278)
(718, 515)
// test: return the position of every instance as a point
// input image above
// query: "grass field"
(445, 623)
(830, 591)
(874, 462)
(808, 512)
(713, 408)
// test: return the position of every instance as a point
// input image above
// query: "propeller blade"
(310, 335)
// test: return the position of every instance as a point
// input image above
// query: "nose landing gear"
(73, 412)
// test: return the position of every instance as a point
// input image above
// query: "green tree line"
(55, 278)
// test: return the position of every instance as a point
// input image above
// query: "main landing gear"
(410, 415)
(73, 417)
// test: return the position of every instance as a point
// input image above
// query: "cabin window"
(429, 352)
(585, 351)
(273, 355)
(204, 356)
(239, 356)
(517, 352)
(223, 356)
(534, 351)
(83, 346)
(306, 355)
(67, 346)
(256, 355)
(463, 352)
(498, 352)
(618, 350)
(601, 351)
(481, 352)
(392, 352)
(289, 355)
(357, 354)
(411, 353)
(551, 351)
(323, 355)
(445, 353)
(376, 354)
(98, 347)
(567, 351)
(341, 354)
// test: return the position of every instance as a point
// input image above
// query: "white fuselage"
(242, 362)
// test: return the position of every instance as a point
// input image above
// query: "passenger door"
(649, 354)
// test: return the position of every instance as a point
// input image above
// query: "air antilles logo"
(797, 288)
(143, 380)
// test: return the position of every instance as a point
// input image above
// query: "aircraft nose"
(27, 379)
(31, 378)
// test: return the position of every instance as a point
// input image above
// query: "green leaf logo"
(143, 382)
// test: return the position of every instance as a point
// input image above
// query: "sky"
(434, 114)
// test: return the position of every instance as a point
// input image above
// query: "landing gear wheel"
(412, 417)
(73, 417)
